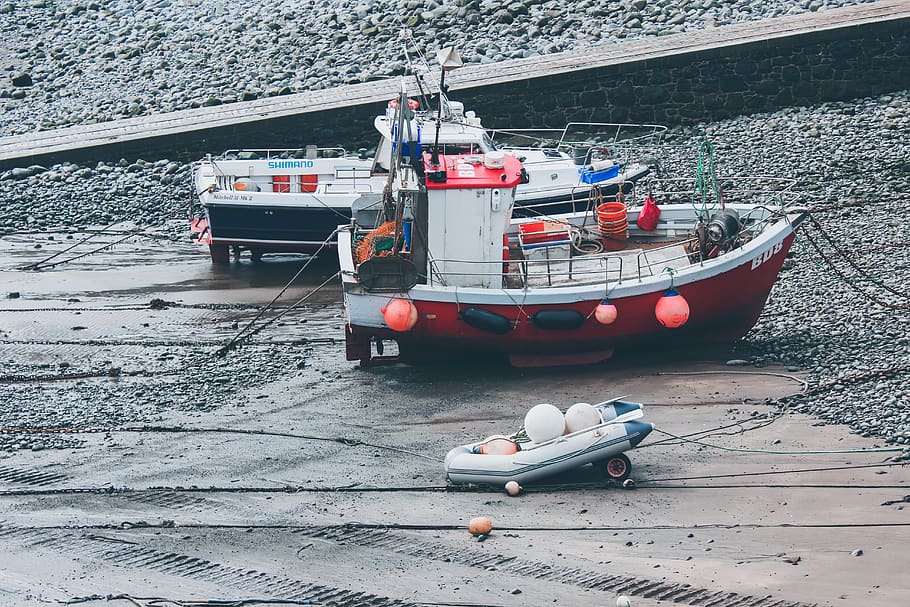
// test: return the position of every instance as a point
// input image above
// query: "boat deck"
(636, 261)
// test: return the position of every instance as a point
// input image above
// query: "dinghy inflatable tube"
(620, 430)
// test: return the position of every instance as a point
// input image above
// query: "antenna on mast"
(449, 60)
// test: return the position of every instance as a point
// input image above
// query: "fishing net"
(378, 242)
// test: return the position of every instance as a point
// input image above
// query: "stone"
(22, 79)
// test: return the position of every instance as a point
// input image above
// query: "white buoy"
(623, 601)
(544, 422)
(581, 416)
(513, 488)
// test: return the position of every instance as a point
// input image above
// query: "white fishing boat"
(292, 200)
(276, 200)
(552, 443)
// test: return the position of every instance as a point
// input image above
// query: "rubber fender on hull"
(486, 320)
(559, 320)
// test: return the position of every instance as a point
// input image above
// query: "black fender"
(486, 320)
(559, 320)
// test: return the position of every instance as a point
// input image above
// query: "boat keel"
(560, 360)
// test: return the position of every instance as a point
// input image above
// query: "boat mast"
(394, 206)
(448, 61)
(397, 142)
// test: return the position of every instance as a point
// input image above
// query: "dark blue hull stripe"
(275, 223)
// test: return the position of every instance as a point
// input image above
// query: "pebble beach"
(840, 316)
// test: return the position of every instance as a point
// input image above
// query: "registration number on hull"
(767, 255)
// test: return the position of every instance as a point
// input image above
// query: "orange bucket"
(613, 222)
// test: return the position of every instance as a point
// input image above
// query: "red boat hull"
(723, 308)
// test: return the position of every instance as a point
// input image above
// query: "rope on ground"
(757, 424)
(851, 379)
(802, 382)
(240, 338)
(348, 442)
(774, 452)
(37, 264)
(247, 333)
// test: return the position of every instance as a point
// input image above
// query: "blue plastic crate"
(589, 176)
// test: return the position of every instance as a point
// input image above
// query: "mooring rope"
(43, 263)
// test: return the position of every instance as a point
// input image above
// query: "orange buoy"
(480, 525)
(605, 312)
(400, 314)
(672, 310)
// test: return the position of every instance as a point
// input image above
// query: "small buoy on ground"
(628, 484)
(623, 601)
(513, 488)
(480, 525)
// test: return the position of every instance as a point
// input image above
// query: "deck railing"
(599, 268)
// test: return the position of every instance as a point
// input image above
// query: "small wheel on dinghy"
(617, 468)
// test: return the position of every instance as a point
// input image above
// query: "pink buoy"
(499, 446)
(605, 312)
(400, 314)
(672, 310)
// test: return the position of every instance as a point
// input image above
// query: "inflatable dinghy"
(552, 442)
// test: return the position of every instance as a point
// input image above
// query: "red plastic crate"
(540, 232)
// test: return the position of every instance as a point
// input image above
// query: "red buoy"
(605, 312)
(672, 310)
(400, 314)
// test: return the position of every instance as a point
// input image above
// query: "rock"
(22, 79)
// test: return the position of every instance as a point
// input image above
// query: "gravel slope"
(851, 159)
(76, 61)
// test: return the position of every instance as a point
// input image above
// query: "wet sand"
(274, 513)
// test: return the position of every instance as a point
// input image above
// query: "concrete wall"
(712, 84)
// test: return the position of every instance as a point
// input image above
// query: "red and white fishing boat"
(452, 273)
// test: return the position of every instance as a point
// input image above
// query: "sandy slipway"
(849, 335)
(68, 62)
